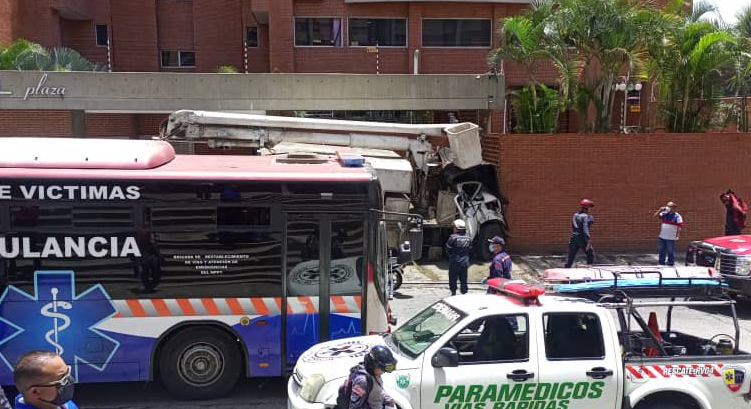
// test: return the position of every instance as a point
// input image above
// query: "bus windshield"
(423, 329)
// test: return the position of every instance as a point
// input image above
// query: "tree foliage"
(595, 44)
(24, 55)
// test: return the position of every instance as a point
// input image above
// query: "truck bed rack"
(623, 287)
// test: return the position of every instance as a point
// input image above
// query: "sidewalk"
(528, 267)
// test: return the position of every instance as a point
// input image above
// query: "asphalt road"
(416, 294)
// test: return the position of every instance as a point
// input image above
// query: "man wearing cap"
(501, 264)
(580, 238)
(458, 247)
(670, 231)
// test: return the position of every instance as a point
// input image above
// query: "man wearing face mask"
(44, 382)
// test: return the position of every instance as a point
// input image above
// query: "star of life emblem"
(347, 349)
(55, 318)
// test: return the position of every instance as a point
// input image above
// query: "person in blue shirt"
(44, 382)
(580, 238)
(501, 264)
(458, 246)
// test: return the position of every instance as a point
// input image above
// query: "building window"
(102, 35)
(251, 36)
(318, 32)
(456, 33)
(178, 59)
(384, 32)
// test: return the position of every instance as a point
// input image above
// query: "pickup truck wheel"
(659, 405)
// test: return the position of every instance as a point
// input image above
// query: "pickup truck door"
(578, 361)
(495, 366)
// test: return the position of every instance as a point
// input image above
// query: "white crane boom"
(231, 129)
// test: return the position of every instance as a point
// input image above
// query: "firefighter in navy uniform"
(580, 238)
(458, 247)
(363, 389)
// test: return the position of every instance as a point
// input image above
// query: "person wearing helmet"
(580, 238)
(458, 247)
(363, 389)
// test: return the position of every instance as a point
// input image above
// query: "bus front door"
(324, 260)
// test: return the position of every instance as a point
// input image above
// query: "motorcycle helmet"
(380, 357)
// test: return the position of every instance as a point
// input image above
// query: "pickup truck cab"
(522, 350)
(730, 255)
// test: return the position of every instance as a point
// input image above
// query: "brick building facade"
(217, 32)
(427, 37)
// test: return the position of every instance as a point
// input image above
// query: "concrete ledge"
(164, 92)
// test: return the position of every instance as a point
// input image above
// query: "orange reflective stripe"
(339, 303)
(136, 308)
(185, 306)
(308, 304)
(234, 306)
(260, 306)
(161, 307)
(210, 306)
(359, 301)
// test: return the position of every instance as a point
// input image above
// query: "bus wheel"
(200, 363)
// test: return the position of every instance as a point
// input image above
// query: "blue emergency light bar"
(350, 159)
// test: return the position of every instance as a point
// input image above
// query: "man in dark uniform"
(580, 238)
(458, 246)
(363, 389)
(501, 264)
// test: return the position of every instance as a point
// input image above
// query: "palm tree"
(689, 64)
(590, 42)
(25, 55)
(525, 41)
(610, 38)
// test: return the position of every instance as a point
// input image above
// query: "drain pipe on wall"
(416, 62)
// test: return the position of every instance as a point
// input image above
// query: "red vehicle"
(730, 255)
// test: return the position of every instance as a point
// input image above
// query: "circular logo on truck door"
(345, 350)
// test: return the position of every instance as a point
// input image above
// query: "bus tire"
(200, 363)
(487, 232)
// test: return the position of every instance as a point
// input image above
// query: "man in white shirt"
(670, 231)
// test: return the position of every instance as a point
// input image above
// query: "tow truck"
(418, 172)
(588, 347)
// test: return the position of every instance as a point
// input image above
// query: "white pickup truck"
(522, 350)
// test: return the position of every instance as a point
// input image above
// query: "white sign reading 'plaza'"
(40, 89)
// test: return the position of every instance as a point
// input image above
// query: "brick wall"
(111, 125)
(628, 177)
(80, 35)
(176, 25)
(218, 34)
(134, 35)
(35, 123)
(281, 36)
(8, 20)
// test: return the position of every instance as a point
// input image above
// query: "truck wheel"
(665, 405)
(397, 276)
(200, 363)
(487, 232)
